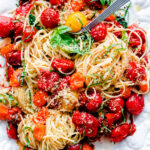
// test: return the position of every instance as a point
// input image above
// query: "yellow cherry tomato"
(76, 21)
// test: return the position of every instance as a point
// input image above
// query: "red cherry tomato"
(47, 81)
(83, 99)
(64, 83)
(14, 58)
(119, 133)
(40, 98)
(94, 104)
(135, 104)
(126, 93)
(15, 114)
(87, 122)
(99, 32)
(18, 28)
(4, 114)
(10, 72)
(112, 117)
(28, 34)
(77, 4)
(132, 129)
(63, 65)
(86, 147)
(12, 131)
(50, 18)
(116, 104)
(6, 26)
(74, 147)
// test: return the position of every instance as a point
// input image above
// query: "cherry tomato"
(132, 129)
(47, 80)
(112, 117)
(15, 114)
(94, 104)
(135, 104)
(77, 81)
(7, 49)
(83, 100)
(15, 79)
(119, 133)
(64, 83)
(99, 32)
(77, 4)
(74, 147)
(4, 114)
(28, 34)
(63, 65)
(50, 18)
(40, 98)
(41, 116)
(12, 131)
(86, 147)
(110, 18)
(39, 132)
(144, 85)
(116, 104)
(85, 122)
(18, 28)
(126, 92)
(14, 58)
(6, 26)
(10, 72)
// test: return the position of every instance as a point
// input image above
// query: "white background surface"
(140, 12)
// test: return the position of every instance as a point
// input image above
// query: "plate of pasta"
(66, 91)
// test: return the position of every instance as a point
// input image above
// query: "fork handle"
(106, 13)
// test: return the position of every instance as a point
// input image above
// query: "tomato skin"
(10, 72)
(83, 100)
(112, 117)
(12, 131)
(28, 34)
(6, 26)
(18, 28)
(40, 98)
(58, 2)
(77, 4)
(74, 147)
(65, 82)
(41, 116)
(15, 79)
(126, 93)
(47, 80)
(7, 49)
(15, 114)
(132, 129)
(94, 104)
(99, 32)
(50, 18)
(4, 113)
(64, 65)
(24, 9)
(14, 58)
(119, 133)
(77, 81)
(39, 132)
(86, 121)
(86, 147)
(135, 104)
(116, 104)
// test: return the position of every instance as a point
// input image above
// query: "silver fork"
(107, 12)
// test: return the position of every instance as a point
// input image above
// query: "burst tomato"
(12, 131)
(126, 92)
(77, 4)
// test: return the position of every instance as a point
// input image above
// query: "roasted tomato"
(4, 113)
(50, 18)
(7, 49)
(28, 34)
(10, 72)
(15, 114)
(135, 72)
(116, 104)
(135, 104)
(15, 80)
(14, 58)
(41, 116)
(94, 3)
(119, 133)
(65, 82)
(126, 92)
(18, 28)
(77, 4)
(83, 100)
(63, 65)
(40, 98)
(6, 26)
(12, 131)
(74, 147)
(132, 129)
(39, 132)
(99, 32)
(77, 81)
(47, 80)
(86, 146)
(87, 122)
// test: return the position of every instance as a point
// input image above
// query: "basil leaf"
(103, 2)
(27, 140)
(32, 19)
(63, 29)
(122, 21)
(38, 26)
(2, 99)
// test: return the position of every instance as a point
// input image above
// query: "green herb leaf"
(122, 112)
(103, 2)
(29, 96)
(23, 73)
(107, 129)
(28, 142)
(83, 132)
(38, 26)
(2, 99)
(32, 19)
(122, 21)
